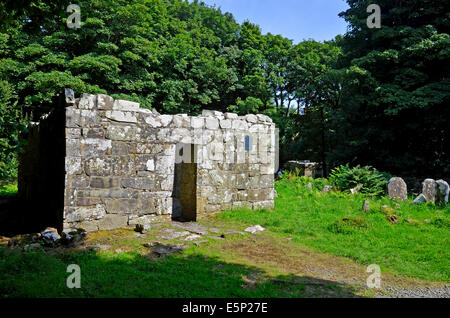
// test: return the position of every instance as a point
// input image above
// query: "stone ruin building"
(99, 164)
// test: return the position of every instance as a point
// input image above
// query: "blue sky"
(294, 19)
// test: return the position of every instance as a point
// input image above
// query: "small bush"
(8, 189)
(8, 168)
(373, 182)
(348, 225)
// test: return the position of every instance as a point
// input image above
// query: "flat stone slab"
(163, 250)
(234, 232)
(192, 227)
(170, 234)
(255, 229)
(192, 237)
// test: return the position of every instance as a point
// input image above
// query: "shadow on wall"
(134, 275)
(40, 202)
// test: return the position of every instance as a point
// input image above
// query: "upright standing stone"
(366, 206)
(443, 191)
(397, 189)
(429, 190)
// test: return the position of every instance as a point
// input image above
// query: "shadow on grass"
(186, 275)
(19, 217)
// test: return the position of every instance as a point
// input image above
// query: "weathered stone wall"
(121, 163)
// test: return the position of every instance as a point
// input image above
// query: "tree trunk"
(323, 148)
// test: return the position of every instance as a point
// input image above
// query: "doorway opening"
(185, 183)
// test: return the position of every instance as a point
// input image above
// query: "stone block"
(77, 181)
(266, 181)
(166, 120)
(165, 165)
(87, 101)
(164, 182)
(88, 226)
(110, 193)
(145, 163)
(231, 116)
(120, 148)
(122, 165)
(153, 121)
(123, 133)
(211, 123)
(104, 182)
(239, 124)
(113, 221)
(70, 195)
(123, 105)
(95, 133)
(121, 116)
(101, 166)
(147, 183)
(242, 205)
(83, 201)
(268, 205)
(264, 118)
(242, 181)
(197, 123)
(104, 102)
(146, 220)
(91, 147)
(122, 206)
(225, 124)
(253, 119)
(73, 133)
(159, 203)
(73, 165)
(79, 214)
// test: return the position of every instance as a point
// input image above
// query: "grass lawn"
(312, 219)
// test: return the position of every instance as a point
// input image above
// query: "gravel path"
(428, 292)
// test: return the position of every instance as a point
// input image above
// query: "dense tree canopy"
(396, 111)
(371, 96)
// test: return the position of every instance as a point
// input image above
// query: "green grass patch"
(417, 246)
(108, 274)
(8, 189)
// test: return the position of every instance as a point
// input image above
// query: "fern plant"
(371, 181)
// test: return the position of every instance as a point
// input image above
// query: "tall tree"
(395, 110)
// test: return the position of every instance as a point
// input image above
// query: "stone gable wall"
(121, 163)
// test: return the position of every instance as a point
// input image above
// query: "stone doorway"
(185, 183)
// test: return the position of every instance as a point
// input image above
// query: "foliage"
(372, 181)
(10, 127)
(300, 182)
(396, 90)
(8, 189)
